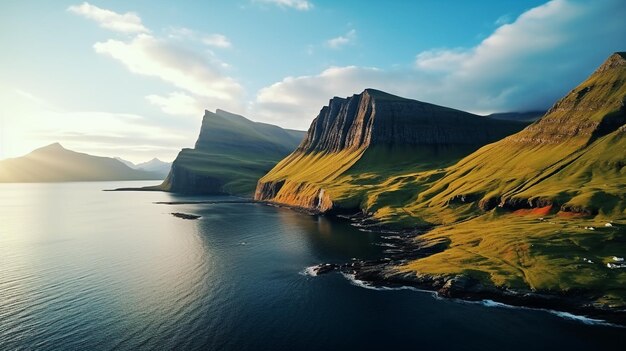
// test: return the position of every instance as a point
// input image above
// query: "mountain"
(571, 159)
(126, 162)
(230, 155)
(372, 142)
(54, 163)
(529, 116)
(542, 212)
(155, 165)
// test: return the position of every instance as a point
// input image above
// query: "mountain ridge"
(54, 163)
(230, 154)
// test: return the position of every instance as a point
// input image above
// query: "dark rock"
(185, 215)
(377, 118)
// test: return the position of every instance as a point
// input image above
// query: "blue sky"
(132, 78)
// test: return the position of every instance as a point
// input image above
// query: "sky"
(133, 78)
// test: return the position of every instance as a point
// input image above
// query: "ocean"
(85, 269)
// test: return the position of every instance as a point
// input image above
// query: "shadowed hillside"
(230, 155)
(53, 163)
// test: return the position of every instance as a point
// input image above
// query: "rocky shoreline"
(383, 274)
(402, 248)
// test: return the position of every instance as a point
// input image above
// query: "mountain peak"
(52, 147)
(592, 109)
(380, 95)
(617, 59)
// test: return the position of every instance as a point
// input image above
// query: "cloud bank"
(198, 74)
(524, 65)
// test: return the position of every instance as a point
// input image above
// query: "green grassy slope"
(517, 212)
(53, 163)
(573, 158)
(231, 154)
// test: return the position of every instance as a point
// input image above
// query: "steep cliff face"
(230, 155)
(377, 133)
(377, 118)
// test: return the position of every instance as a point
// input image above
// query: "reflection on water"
(86, 269)
(333, 239)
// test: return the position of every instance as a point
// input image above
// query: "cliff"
(377, 118)
(375, 133)
(230, 155)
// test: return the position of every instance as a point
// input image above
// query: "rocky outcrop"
(377, 118)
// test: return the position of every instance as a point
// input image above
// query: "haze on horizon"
(132, 79)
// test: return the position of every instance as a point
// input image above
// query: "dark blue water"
(82, 269)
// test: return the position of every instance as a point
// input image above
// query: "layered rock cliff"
(352, 132)
(377, 118)
(230, 155)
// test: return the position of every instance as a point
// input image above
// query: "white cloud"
(440, 59)
(172, 59)
(214, 40)
(125, 23)
(522, 66)
(302, 5)
(342, 40)
(504, 19)
(294, 101)
(184, 68)
(217, 40)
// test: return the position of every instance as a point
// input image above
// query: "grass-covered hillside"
(372, 143)
(230, 155)
(544, 209)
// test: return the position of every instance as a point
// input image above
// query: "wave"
(583, 319)
(363, 284)
(310, 271)
(487, 303)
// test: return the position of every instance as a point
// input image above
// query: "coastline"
(383, 274)
(402, 247)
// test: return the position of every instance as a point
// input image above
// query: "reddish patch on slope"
(539, 211)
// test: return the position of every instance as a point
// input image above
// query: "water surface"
(85, 269)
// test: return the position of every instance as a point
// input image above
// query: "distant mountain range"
(54, 163)
(155, 165)
(230, 155)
